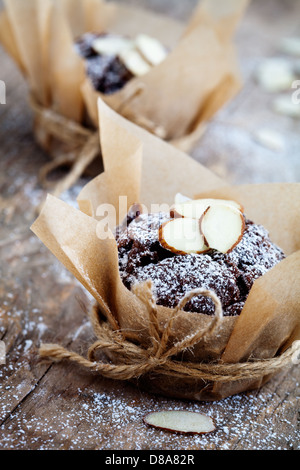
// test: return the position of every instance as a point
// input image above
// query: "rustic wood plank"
(46, 406)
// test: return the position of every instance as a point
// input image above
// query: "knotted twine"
(134, 361)
(83, 143)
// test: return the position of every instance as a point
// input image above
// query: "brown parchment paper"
(174, 100)
(145, 169)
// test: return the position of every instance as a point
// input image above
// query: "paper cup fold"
(141, 168)
(175, 100)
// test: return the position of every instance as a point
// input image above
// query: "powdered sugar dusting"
(114, 420)
(230, 276)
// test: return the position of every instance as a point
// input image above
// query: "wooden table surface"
(44, 406)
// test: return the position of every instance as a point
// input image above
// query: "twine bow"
(134, 361)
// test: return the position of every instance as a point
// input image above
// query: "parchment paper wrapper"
(143, 168)
(174, 100)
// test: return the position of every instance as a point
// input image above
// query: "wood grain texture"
(45, 406)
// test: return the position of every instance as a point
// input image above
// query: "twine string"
(60, 160)
(83, 143)
(84, 146)
(131, 361)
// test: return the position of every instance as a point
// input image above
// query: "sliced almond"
(284, 104)
(275, 74)
(291, 45)
(186, 422)
(182, 236)
(181, 198)
(270, 139)
(222, 227)
(111, 45)
(151, 49)
(194, 209)
(134, 62)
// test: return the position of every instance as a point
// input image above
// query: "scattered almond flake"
(270, 139)
(275, 74)
(122, 413)
(186, 422)
(283, 104)
(290, 45)
(234, 147)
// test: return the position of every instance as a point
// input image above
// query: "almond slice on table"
(134, 62)
(151, 49)
(182, 236)
(290, 45)
(111, 45)
(222, 227)
(186, 422)
(196, 207)
(275, 74)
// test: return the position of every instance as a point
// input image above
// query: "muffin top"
(230, 275)
(112, 60)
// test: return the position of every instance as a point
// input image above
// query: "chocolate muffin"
(230, 275)
(112, 60)
(106, 72)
